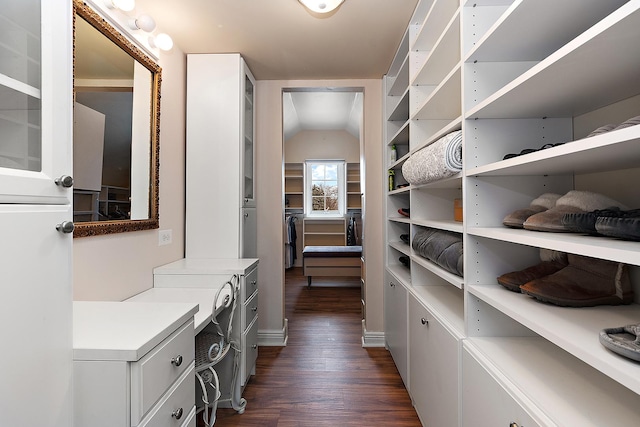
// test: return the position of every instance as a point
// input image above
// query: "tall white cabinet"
(35, 130)
(220, 207)
(511, 74)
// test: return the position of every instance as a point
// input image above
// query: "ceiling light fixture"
(161, 41)
(144, 23)
(124, 5)
(321, 6)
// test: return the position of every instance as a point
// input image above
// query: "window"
(325, 188)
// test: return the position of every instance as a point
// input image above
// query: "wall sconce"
(161, 41)
(124, 5)
(321, 6)
(143, 22)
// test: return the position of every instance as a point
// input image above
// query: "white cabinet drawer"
(251, 351)
(251, 310)
(154, 373)
(250, 285)
(485, 402)
(177, 405)
(191, 419)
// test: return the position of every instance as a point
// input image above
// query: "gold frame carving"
(84, 229)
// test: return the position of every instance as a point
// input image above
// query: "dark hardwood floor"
(323, 377)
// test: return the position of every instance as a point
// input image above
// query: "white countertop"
(124, 331)
(207, 266)
(204, 297)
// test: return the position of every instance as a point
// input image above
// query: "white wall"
(117, 266)
(322, 145)
(270, 190)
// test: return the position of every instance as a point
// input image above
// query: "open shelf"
(535, 367)
(550, 89)
(575, 330)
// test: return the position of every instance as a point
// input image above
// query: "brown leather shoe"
(585, 282)
(515, 279)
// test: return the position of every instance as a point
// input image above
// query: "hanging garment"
(290, 242)
(352, 236)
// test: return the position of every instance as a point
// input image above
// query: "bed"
(331, 261)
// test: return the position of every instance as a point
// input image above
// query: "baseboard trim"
(372, 339)
(274, 337)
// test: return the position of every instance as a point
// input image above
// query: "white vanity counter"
(116, 331)
(133, 364)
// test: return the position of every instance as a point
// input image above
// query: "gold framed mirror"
(116, 129)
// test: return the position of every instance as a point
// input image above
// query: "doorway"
(322, 169)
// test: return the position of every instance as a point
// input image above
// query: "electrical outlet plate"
(164, 237)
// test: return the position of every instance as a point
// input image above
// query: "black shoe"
(626, 227)
(585, 222)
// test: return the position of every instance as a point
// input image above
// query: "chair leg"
(309, 281)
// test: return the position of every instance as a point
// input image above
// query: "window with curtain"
(325, 188)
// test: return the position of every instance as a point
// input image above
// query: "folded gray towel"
(441, 247)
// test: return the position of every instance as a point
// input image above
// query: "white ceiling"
(282, 40)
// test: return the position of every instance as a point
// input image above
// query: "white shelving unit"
(220, 158)
(511, 74)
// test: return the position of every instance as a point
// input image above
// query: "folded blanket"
(441, 247)
(439, 160)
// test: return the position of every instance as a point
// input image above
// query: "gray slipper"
(628, 123)
(624, 340)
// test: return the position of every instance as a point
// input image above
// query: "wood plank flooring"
(323, 377)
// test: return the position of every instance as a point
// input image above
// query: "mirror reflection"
(116, 113)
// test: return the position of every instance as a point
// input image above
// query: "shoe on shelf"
(405, 212)
(624, 340)
(626, 226)
(404, 260)
(516, 218)
(628, 123)
(531, 150)
(404, 238)
(584, 282)
(571, 203)
(585, 222)
(602, 129)
(515, 279)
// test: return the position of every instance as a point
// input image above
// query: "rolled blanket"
(439, 160)
(441, 247)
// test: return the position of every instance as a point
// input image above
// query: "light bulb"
(162, 41)
(144, 23)
(321, 6)
(124, 5)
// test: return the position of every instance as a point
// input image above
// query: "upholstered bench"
(331, 261)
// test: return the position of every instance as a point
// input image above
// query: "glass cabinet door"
(248, 126)
(28, 163)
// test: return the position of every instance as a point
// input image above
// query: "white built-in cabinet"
(511, 74)
(220, 187)
(134, 364)
(35, 150)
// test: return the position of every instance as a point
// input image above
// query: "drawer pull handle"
(177, 414)
(254, 346)
(176, 361)
(392, 284)
(424, 321)
(514, 424)
(254, 309)
(253, 283)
